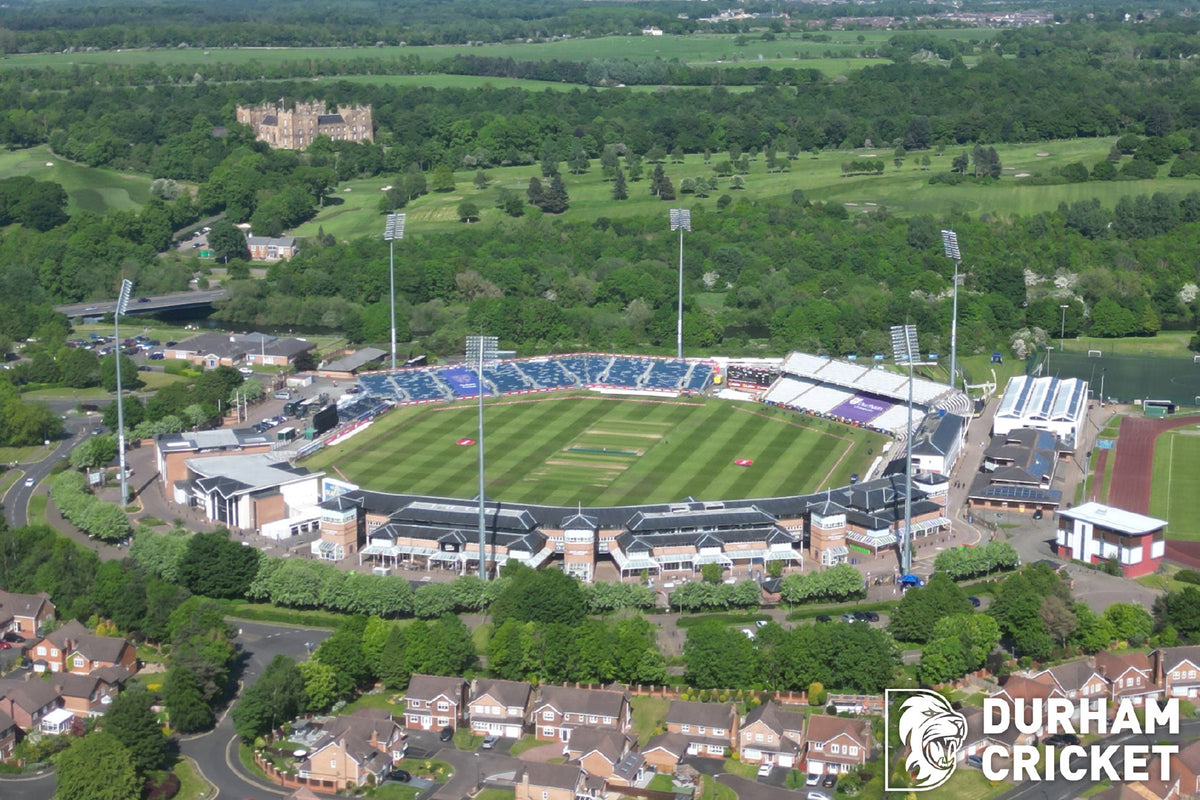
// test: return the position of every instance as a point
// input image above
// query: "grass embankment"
(656, 451)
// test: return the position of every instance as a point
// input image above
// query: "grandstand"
(855, 394)
(520, 376)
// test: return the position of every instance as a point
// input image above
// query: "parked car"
(847, 618)
(143, 368)
(872, 616)
(245, 370)
(1037, 514)
(401, 775)
(157, 355)
(829, 781)
(282, 394)
(975, 761)
(817, 796)
(764, 771)
(1061, 739)
(974, 601)
(29, 482)
(813, 779)
(861, 616)
(824, 618)
(489, 741)
(446, 735)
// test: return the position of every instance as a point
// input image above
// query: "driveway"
(747, 789)
(472, 770)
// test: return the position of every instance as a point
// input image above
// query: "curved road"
(16, 499)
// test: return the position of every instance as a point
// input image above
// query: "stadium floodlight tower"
(122, 305)
(1062, 329)
(904, 345)
(950, 242)
(393, 230)
(481, 349)
(681, 220)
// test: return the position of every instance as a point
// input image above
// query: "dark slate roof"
(709, 715)
(330, 119)
(692, 519)
(463, 514)
(511, 694)
(938, 434)
(270, 119)
(597, 702)
(226, 487)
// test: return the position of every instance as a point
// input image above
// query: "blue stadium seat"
(666, 374)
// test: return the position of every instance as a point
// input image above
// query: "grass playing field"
(602, 451)
(87, 189)
(1175, 493)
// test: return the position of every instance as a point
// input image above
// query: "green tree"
(227, 243)
(129, 373)
(619, 190)
(711, 573)
(1129, 622)
(277, 697)
(443, 178)
(921, 608)
(186, 708)
(215, 566)
(97, 767)
(540, 596)
(93, 453)
(718, 657)
(321, 685)
(468, 211)
(481, 180)
(131, 721)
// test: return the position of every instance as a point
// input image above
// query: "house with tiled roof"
(90, 695)
(836, 744)
(772, 735)
(605, 754)
(73, 648)
(1153, 787)
(976, 739)
(664, 751)
(355, 749)
(25, 614)
(536, 781)
(29, 702)
(710, 728)
(1177, 670)
(8, 736)
(1129, 676)
(1021, 688)
(1079, 679)
(433, 702)
(1186, 766)
(49, 653)
(499, 707)
(559, 709)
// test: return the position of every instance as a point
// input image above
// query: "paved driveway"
(747, 789)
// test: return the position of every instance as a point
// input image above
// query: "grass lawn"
(87, 188)
(727, 618)
(711, 790)
(37, 509)
(157, 380)
(266, 612)
(1166, 343)
(382, 700)
(969, 784)
(600, 451)
(648, 714)
(465, 740)
(530, 742)
(661, 783)
(903, 191)
(11, 454)
(1175, 490)
(495, 794)
(191, 785)
(395, 791)
(735, 767)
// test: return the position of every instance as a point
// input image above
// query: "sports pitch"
(602, 451)
(1175, 492)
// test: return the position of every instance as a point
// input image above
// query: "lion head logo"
(933, 733)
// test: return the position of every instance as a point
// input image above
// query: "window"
(593, 719)
(547, 731)
(852, 750)
(53, 651)
(79, 662)
(547, 715)
(333, 763)
(835, 748)
(443, 705)
(758, 737)
(41, 651)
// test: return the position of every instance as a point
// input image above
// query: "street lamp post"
(394, 230)
(950, 243)
(122, 305)
(480, 349)
(681, 220)
(1062, 329)
(904, 344)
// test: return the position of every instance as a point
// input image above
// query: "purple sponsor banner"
(462, 381)
(861, 409)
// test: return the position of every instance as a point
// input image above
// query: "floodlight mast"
(904, 340)
(681, 220)
(480, 349)
(122, 305)
(394, 230)
(950, 243)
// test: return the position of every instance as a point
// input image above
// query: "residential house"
(837, 744)
(605, 754)
(91, 653)
(25, 614)
(433, 702)
(8, 736)
(214, 350)
(354, 749)
(499, 707)
(1176, 670)
(772, 735)
(976, 740)
(90, 695)
(558, 709)
(270, 248)
(1185, 765)
(1153, 788)
(50, 652)
(28, 702)
(1076, 680)
(549, 782)
(664, 752)
(1129, 676)
(1019, 692)
(711, 728)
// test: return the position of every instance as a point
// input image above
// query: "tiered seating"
(585, 368)
(506, 378)
(377, 386)
(666, 374)
(787, 391)
(548, 374)
(626, 372)
(698, 378)
(420, 384)
(895, 418)
(823, 399)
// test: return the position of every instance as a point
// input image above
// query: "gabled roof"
(938, 435)
(1113, 665)
(822, 728)
(709, 715)
(1170, 657)
(609, 744)
(594, 702)
(510, 694)
(30, 696)
(1069, 677)
(427, 687)
(1189, 756)
(24, 605)
(70, 632)
(556, 776)
(100, 648)
(777, 718)
(6, 723)
(675, 744)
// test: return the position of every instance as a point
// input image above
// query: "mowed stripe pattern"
(595, 451)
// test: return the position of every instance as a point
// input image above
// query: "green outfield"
(602, 451)
(87, 188)
(1175, 492)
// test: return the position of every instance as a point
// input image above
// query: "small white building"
(1094, 532)
(250, 491)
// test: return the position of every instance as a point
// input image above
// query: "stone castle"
(295, 129)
